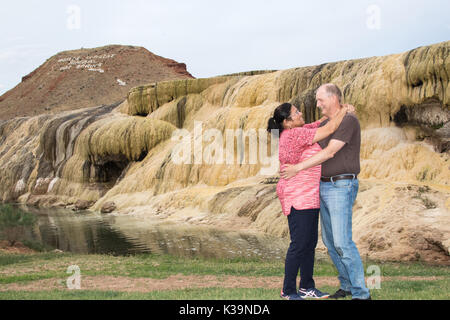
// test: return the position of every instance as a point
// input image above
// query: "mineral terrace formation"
(123, 155)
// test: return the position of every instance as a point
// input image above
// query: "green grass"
(391, 290)
(162, 266)
(16, 268)
(185, 294)
(416, 290)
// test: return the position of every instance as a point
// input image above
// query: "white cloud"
(15, 39)
(21, 51)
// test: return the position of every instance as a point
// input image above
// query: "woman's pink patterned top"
(302, 190)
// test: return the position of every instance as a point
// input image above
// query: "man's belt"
(340, 177)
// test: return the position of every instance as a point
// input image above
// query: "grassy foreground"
(44, 276)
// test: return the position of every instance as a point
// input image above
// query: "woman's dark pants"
(303, 229)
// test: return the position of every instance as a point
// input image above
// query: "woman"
(299, 195)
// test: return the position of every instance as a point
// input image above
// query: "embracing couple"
(319, 168)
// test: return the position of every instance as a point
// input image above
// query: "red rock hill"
(85, 78)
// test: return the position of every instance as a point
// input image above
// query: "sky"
(215, 38)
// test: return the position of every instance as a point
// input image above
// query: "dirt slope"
(86, 78)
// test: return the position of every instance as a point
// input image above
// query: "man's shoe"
(313, 293)
(340, 294)
(293, 296)
(369, 298)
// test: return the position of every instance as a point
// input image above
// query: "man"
(338, 188)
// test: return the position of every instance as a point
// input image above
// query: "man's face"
(325, 102)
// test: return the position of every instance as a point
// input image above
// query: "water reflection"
(86, 232)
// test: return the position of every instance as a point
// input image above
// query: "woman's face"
(296, 119)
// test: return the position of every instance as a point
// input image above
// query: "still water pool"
(87, 232)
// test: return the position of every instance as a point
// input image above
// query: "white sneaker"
(313, 293)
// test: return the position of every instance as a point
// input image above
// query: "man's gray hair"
(332, 90)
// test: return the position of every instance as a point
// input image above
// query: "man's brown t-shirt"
(345, 160)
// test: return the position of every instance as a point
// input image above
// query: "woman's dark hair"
(281, 113)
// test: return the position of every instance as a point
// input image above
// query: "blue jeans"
(336, 203)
